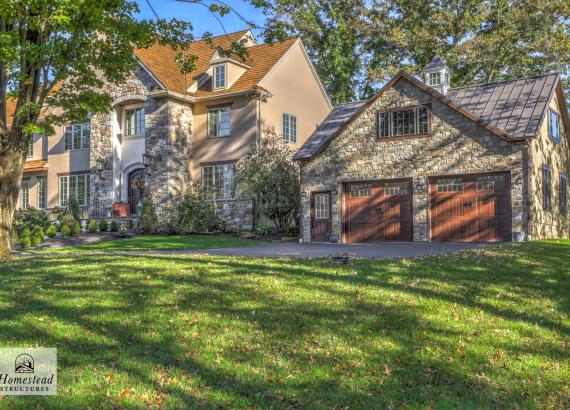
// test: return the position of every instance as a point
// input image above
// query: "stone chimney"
(438, 75)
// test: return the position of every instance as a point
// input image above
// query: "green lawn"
(489, 328)
(155, 243)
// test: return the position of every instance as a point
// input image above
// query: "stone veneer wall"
(456, 146)
(544, 151)
(168, 139)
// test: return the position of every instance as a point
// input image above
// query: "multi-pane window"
(25, 194)
(403, 122)
(134, 121)
(547, 188)
(42, 193)
(396, 188)
(563, 194)
(554, 125)
(450, 185)
(220, 76)
(360, 190)
(221, 178)
(77, 136)
(495, 183)
(322, 206)
(219, 122)
(30, 153)
(290, 128)
(434, 78)
(74, 186)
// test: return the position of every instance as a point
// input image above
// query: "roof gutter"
(259, 92)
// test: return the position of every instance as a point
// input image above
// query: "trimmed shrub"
(26, 242)
(38, 231)
(15, 237)
(168, 221)
(36, 239)
(103, 225)
(76, 228)
(65, 231)
(92, 227)
(24, 231)
(115, 226)
(148, 220)
(51, 231)
(197, 211)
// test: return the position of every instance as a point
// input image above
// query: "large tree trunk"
(11, 167)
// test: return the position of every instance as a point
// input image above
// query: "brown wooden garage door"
(378, 211)
(471, 208)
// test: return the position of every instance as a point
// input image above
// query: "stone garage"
(422, 161)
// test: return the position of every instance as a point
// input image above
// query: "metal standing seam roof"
(339, 116)
(515, 107)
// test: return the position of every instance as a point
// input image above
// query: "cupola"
(438, 75)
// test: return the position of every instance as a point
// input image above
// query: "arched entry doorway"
(135, 189)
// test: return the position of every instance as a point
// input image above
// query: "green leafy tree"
(332, 31)
(59, 53)
(481, 41)
(269, 174)
(197, 211)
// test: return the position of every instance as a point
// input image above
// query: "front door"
(378, 211)
(321, 226)
(136, 189)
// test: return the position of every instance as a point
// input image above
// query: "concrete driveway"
(389, 250)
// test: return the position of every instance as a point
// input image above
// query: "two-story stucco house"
(167, 129)
(425, 162)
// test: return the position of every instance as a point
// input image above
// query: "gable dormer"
(225, 71)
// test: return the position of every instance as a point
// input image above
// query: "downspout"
(529, 200)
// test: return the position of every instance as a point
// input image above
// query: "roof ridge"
(505, 81)
(350, 103)
(274, 43)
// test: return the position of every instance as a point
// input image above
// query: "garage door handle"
(468, 204)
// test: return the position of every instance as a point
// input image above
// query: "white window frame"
(215, 129)
(436, 75)
(290, 128)
(224, 189)
(42, 193)
(217, 78)
(30, 153)
(69, 183)
(137, 124)
(25, 194)
(322, 206)
(551, 130)
(77, 136)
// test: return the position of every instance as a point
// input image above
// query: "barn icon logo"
(24, 363)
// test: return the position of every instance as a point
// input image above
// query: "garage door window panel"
(361, 191)
(450, 185)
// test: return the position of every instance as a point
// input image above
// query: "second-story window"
(134, 121)
(219, 122)
(401, 123)
(219, 76)
(290, 128)
(77, 136)
(554, 126)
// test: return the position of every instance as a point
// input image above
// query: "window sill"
(217, 138)
(79, 149)
(403, 137)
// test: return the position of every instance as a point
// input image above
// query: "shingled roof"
(338, 117)
(160, 60)
(512, 109)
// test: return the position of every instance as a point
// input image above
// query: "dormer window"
(434, 79)
(219, 76)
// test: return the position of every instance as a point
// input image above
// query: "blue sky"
(200, 16)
